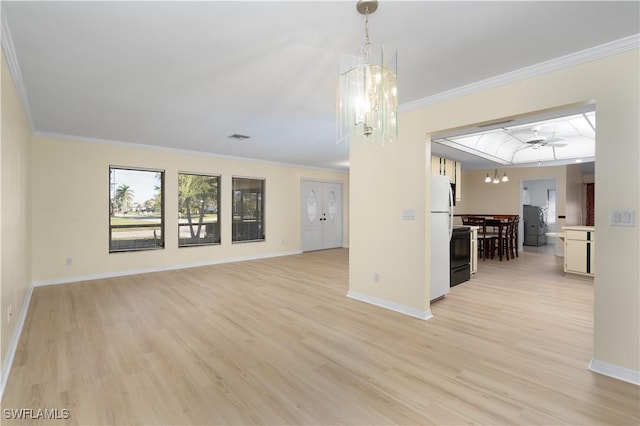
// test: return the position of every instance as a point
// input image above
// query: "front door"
(321, 215)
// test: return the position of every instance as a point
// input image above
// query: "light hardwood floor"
(276, 341)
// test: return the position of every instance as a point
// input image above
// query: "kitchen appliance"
(534, 225)
(441, 230)
(460, 249)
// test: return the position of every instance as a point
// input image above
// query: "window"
(198, 209)
(248, 209)
(136, 209)
(551, 206)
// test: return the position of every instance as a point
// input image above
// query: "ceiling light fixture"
(368, 93)
(495, 179)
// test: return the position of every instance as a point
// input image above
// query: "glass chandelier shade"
(368, 95)
(496, 179)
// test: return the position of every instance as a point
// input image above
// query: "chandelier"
(368, 93)
(495, 179)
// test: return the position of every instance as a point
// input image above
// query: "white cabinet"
(474, 250)
(449, 168)
(579, 250)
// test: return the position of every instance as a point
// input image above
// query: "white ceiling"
(187, 75)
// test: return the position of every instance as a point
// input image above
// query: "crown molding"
(598, 52)
(99, 141)
(14, 68)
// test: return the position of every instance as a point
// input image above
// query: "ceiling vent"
(239, 137)
(495, 123)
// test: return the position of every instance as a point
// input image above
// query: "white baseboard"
(615, 371)
(406, 310)
(90, 277)
(13, 343)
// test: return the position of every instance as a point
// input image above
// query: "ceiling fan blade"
(519, 136)
(556, 141)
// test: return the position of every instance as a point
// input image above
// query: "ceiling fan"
(536, 140)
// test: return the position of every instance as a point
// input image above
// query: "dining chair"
(480, 222)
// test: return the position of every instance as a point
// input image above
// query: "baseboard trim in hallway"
(92, 277)
(406, 310)
(615, 371)
(13, 344)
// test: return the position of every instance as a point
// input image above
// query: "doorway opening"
(538, 210)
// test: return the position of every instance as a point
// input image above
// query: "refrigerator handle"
(450, 213)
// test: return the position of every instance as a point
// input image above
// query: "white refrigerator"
(441, 229)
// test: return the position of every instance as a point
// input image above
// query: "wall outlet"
(376, 277)
(69, 261)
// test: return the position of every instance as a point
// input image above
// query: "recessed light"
(578, 160)
(239, 137)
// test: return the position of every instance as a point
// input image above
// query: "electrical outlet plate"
(622, 218)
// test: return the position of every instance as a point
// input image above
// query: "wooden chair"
(510, 237)
(513, 240)
(499, 235)
(480, 222)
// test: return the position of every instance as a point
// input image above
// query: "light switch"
(622, 218)
(408, 214)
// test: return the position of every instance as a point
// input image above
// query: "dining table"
(499, 225)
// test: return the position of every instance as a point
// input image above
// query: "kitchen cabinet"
(579, 250)
(451, 169)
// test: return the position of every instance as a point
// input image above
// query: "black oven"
(460, 249)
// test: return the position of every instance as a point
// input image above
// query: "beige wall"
(389, 179)
(15, 210)
(71, 189)
(614, 85)
(479, 197)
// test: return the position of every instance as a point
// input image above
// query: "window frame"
(260, 210)
(161, 244)
(218, 206)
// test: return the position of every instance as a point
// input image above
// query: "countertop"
(465, 227)
(570, 228)
(579, 228)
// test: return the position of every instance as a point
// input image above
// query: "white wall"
(614, 85)
(538, 190)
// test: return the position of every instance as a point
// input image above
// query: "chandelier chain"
(366, 48)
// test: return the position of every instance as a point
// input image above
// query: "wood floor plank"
(276, 341)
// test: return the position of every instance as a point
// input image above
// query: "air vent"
(495, 123)
(239, 137)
